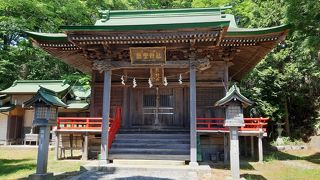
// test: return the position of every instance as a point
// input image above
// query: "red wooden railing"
(91, 123)
(115, 126)
(251, 124)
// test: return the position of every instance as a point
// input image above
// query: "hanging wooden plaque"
(148, 55)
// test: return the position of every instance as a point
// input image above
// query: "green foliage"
(290, 74)
(287, 141)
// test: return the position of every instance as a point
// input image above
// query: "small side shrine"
(234, 102)
(46, 104)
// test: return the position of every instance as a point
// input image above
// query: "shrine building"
(156, 76)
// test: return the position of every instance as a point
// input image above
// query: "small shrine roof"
(32, 86)
(80, 92)
(77, 105)
(234, 94)
(47, 96)
(7, 107)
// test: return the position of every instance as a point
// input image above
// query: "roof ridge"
(174, 10)
(38, 81)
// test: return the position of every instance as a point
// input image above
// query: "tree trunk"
(286, 117)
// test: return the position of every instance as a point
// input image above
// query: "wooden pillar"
(252, 146)
(85, 147)
(225, 148)
(105, 115)
(260, 148)
(245, 146)
(56, 144)
(234, 152)
(193, 114)
(71, 144)
(226, 86)
(226, 77)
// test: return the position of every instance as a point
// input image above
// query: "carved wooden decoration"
(156, 75)
(101, 65)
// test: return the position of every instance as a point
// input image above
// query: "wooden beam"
(170, 84)
(252, 146)
(168, 64)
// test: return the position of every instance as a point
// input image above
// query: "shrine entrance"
(158, 108)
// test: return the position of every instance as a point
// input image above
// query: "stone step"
(150, 157)
(149, 151)
(147, 162)
(147, 145)
(153, 141)
(153, 131)
(153, 136)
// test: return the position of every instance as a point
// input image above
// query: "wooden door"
(157, 108)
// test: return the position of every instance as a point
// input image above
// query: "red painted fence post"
(58, 123)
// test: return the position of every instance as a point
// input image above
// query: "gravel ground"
(138, 175)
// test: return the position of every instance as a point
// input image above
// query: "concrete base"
(40, 176)
(103, 162)
(95, 166)
(193, 164)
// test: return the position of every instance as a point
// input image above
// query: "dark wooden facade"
(137, 113)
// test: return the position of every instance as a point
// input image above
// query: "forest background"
(285, 85)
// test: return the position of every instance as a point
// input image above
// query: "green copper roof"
(163, 12)
(80, 92)
(233, 94)
(7, 107)
(162, 19)
(77, 105)
(48, 36)
(256, 31)
(47, 96)
(32, 86)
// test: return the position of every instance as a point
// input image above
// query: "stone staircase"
(151, 146)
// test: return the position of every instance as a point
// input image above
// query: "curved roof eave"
(232, 31)
(61, 37)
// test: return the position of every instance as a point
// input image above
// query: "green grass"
(19, 163)
(290, 165)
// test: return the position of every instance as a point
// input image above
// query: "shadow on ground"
(67, 175)
(280, 155)
(253, 176)
(244, 165)
(142, 178)
(11, 166)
